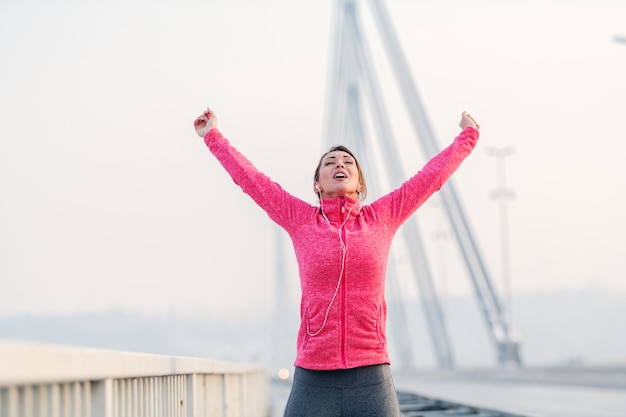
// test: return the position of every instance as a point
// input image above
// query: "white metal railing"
(38, 380)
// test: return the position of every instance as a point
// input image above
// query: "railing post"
(102, 398)
(192, 397)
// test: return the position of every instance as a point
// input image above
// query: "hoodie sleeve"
(398, 205)
(280, 206)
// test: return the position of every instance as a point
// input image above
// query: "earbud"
(317, 187)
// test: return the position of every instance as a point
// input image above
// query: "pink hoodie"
(353, 333)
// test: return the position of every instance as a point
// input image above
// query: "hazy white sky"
(109, 199)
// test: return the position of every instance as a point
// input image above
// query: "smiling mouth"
(340, 176)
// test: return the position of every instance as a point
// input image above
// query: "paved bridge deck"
(528, 393)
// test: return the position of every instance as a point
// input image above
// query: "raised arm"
(398, 205)
(281, 206)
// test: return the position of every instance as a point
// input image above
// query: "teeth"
(340, 176)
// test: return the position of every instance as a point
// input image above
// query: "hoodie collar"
(337, 208)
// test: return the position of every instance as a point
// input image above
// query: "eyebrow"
(335, 157)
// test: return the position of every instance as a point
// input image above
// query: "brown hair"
(362, 186)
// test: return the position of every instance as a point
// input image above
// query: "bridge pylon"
(353, 89)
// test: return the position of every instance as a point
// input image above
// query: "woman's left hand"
(205, 122)
(467, 120)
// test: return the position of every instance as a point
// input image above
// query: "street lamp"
(503, 194)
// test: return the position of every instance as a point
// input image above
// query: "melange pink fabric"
(354, 333)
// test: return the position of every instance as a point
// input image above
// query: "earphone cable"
(344, 250)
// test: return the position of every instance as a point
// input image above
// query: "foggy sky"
(108, 198)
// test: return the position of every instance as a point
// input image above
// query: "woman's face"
(338, 176)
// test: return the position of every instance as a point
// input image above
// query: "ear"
(316, 188)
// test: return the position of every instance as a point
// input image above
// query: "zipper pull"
(343, 206)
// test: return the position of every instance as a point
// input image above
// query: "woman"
(342, 363)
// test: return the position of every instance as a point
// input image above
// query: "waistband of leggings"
(344, 378)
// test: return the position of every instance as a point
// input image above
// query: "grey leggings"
(367, 391)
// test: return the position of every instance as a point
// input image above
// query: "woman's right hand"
(205, 122)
